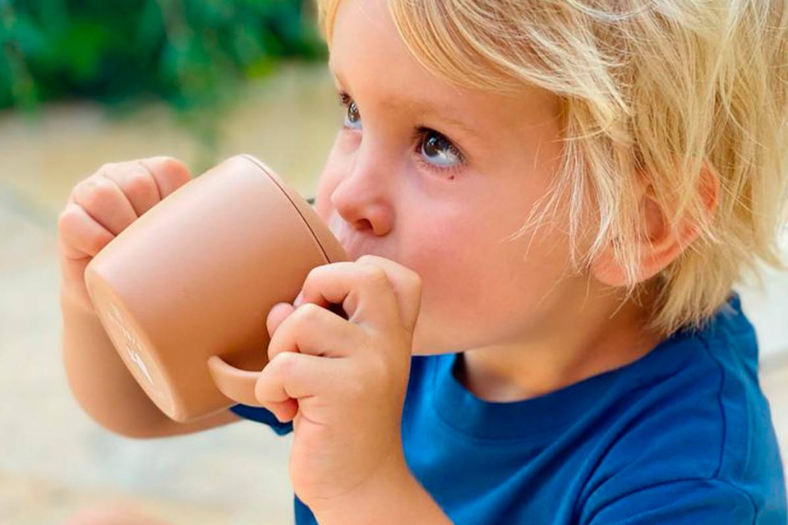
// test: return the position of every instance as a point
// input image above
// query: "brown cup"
(185, 290)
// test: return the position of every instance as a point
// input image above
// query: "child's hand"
(104, 204)
(343, 382)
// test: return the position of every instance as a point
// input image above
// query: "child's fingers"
(276, 315)
(169, 173)
(291, 376)
(312, 329)
(136, 182)
(364, 292)
(283, 410)
(103, 200)
(406, 283)
(80, 233)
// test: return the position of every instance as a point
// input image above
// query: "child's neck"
(581, 344)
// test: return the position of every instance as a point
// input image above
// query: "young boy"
(547, 204)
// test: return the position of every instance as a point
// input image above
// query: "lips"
(352, 251)
(352, 248)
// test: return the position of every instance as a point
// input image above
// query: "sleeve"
(682, 502)
(264, 416)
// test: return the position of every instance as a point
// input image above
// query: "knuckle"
(66, 218)
(374, 275)
(107, 167)
(285, 362)
(315, 273)
(366, 258)
(94, 201)
(68, 225)
(81, 187)
(174, 168)
(314, 276)
(307, 312)
(139, 184)
(95, 192)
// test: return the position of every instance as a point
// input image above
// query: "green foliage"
(188, 52)
(193, 54)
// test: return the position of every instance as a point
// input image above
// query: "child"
(547, 204)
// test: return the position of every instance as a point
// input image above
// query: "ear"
(659, 245)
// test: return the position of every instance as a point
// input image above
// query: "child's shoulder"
(706, 381)
(691, 409)
(694, 418)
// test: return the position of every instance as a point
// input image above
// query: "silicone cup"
(185, 290)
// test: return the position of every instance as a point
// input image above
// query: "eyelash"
(420, 135)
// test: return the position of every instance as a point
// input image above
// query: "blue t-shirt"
(681, 436)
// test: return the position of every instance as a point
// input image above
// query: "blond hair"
(651, 91)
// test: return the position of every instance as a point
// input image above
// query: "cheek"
(480, 288)
(330, 177)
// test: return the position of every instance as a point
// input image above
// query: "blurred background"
(87, 82)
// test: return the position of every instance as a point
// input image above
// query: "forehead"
(367, 47)
(371, 61)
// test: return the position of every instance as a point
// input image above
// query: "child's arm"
(98, 209)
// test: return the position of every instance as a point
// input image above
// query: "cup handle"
(233, 382)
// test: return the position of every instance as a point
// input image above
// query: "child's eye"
(352, 115)
(439, 151)
(435, 150)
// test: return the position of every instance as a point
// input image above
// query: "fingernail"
(299, 299)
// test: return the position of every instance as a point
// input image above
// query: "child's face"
(383, 191)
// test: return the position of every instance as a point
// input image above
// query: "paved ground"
(53, 459)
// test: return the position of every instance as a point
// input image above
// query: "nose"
(363, 198)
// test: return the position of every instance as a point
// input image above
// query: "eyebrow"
(422, 108)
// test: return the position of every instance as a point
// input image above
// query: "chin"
(433, 344)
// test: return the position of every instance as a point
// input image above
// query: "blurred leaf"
(27, 36)
(194, 54)
(150, 30)
(260, 68)
(81, 48)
